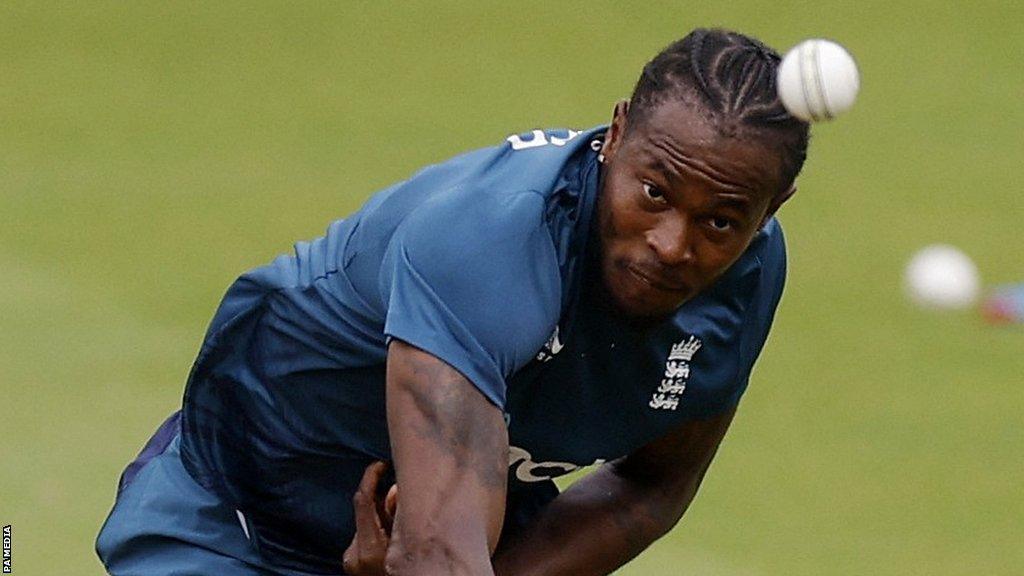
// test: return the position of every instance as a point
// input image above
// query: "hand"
(374, 519)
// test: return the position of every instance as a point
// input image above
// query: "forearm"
(597, 525)
(449, 447)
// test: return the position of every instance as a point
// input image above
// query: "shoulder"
(483, 275)
(497, 207)
(469, 217)
(462, 246)
(501, 189)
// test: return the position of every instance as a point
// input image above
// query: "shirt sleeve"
(475, 284)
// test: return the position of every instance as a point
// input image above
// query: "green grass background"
(152, 151)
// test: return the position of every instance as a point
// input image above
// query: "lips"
(657, 283)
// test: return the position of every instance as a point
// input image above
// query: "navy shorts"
(164, 523)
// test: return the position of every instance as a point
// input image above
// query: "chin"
(634, 305)
(651, 313)
(632, 300)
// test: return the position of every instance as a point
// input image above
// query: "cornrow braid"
(732, 76)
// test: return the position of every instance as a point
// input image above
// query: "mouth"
(658, 284)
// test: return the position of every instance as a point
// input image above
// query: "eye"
(720, 224)
(653, 193)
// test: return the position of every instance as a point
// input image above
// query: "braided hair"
(732, 78)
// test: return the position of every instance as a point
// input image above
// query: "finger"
(390, 505)
(364, 503)
(388, 509)
(373, 475)
(350, 560)
(385, 519)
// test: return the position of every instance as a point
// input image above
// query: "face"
(679, 203)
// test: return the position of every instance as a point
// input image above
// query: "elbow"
(659, 517)
(662, 496)
(670, 504)
(656, 507)
(644, 521)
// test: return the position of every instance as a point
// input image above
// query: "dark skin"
(679, 203)
(450, 450)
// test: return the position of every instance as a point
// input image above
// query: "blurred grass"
(150, 152)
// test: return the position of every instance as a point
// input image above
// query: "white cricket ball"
(940, 276)
(818, 80)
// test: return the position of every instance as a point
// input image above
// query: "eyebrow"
(739, 201)
(663, 168)
(666, 167)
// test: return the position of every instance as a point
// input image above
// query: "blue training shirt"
(483, 261)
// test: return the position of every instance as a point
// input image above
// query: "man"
(495, 321)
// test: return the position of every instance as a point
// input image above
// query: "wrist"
(435, 556)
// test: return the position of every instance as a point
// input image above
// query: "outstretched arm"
(610, 516)
(598, 524)
(449, 445)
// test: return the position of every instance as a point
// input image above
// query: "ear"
(777, 203)
(613, 138)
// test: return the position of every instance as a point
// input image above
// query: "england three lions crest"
(677, 371)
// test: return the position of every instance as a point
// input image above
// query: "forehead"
(681, 137)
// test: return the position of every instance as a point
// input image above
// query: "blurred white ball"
(818, 80)
(940, 276)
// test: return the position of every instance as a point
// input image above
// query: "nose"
(670, 241)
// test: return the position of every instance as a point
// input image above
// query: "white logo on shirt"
(539, 138)
(552, 347)
(677, 370)
(527, 470)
